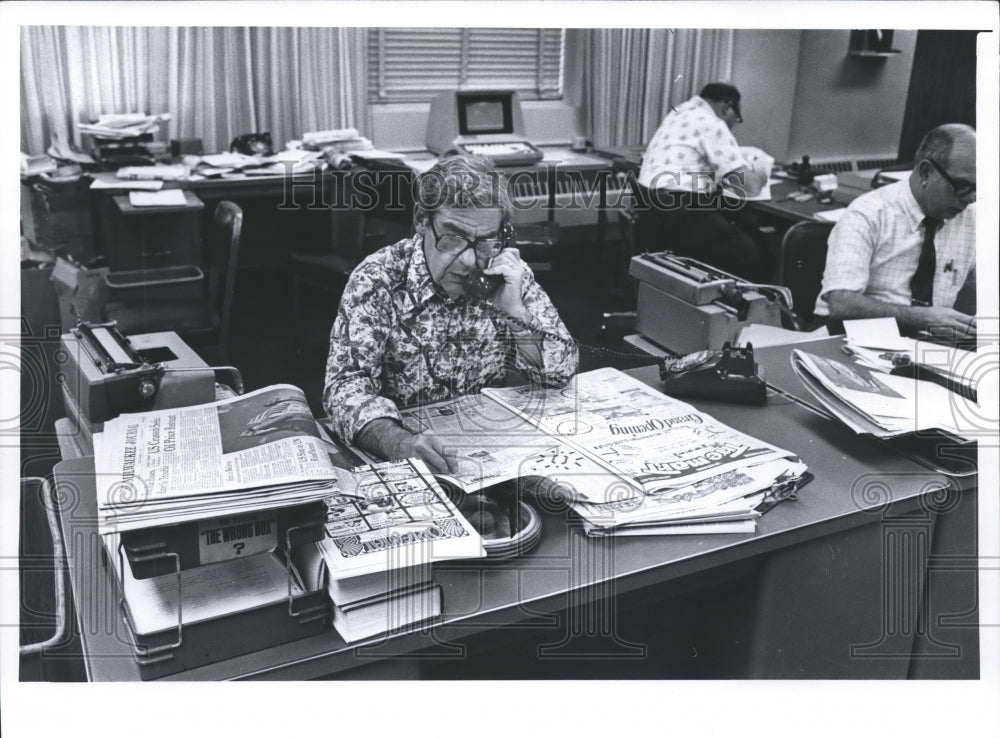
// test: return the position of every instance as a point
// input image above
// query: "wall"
(848, 106)
(765, 67)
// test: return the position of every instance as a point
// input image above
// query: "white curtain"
(217, 83)
(632, 76)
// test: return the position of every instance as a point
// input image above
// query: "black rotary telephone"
(730, 375)
(253, 144)
(484, 285)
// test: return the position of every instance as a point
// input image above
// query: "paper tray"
(172, 650)
(163, 283)
(155, 551)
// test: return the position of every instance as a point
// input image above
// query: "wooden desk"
(827, 597)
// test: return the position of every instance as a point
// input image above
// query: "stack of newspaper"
(665, 467)
(341, 140)
(124, 125)
(375, 561)
(259, 451)
(888, 393)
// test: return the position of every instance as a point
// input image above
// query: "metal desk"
(830, 598)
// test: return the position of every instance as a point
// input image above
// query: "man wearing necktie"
(906, 250)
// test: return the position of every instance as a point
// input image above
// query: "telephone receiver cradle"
(729, 374)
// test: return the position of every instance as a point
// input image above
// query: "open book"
(623, 453)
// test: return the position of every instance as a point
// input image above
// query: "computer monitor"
(482, 113)
(481, 122)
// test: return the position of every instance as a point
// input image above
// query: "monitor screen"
(484, 113)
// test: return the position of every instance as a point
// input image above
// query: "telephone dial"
(253, 144)
(729, 374)
(484, 285)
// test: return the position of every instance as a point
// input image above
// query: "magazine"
(881, 404)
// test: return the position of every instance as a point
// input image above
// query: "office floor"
(268, 348)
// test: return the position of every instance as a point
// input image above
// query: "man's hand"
(947, 323)
(508, 264)
(387, 439)
(429, 448)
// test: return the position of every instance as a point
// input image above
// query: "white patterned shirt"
(691, 151)
(875, 247)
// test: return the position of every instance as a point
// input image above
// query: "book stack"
(375, 561)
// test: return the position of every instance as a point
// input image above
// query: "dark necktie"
(922, 284)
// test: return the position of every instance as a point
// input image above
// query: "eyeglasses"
(450, 243)
(736, 109)
(960, 187)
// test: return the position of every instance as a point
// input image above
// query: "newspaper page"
(262, 449)
(400, 518)
(637, 431)
(883, 405)
(495, 445)
(264, 437)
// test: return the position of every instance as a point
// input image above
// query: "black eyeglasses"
(960, 187)
(450, 243)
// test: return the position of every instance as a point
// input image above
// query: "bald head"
(943, 181)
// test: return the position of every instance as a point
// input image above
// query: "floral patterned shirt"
(400, 340)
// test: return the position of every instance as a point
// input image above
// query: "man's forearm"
(384, 438)
(845, 305)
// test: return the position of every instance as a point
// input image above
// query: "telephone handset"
(484, 285)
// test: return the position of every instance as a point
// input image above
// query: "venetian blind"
(414, 64)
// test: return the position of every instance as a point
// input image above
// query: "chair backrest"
(224, 250)
(803, 259)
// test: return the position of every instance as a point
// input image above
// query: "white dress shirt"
(875, 247)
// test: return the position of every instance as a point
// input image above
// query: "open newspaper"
(496, 444)
(625, 456)
(689, 467)
(257, 451)
(882, 404)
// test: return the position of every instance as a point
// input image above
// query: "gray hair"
(460, 181)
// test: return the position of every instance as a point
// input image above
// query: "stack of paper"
(124, 125)
(257, 451)
(667, 468)
(341, 140)
(876, 391)
(158, 199)
(376, 559)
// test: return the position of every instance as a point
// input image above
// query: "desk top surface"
(567, 567)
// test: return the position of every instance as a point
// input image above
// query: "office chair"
(355, 233)
(199, 310)
(802, 261)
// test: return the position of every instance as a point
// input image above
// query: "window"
(414, 64)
